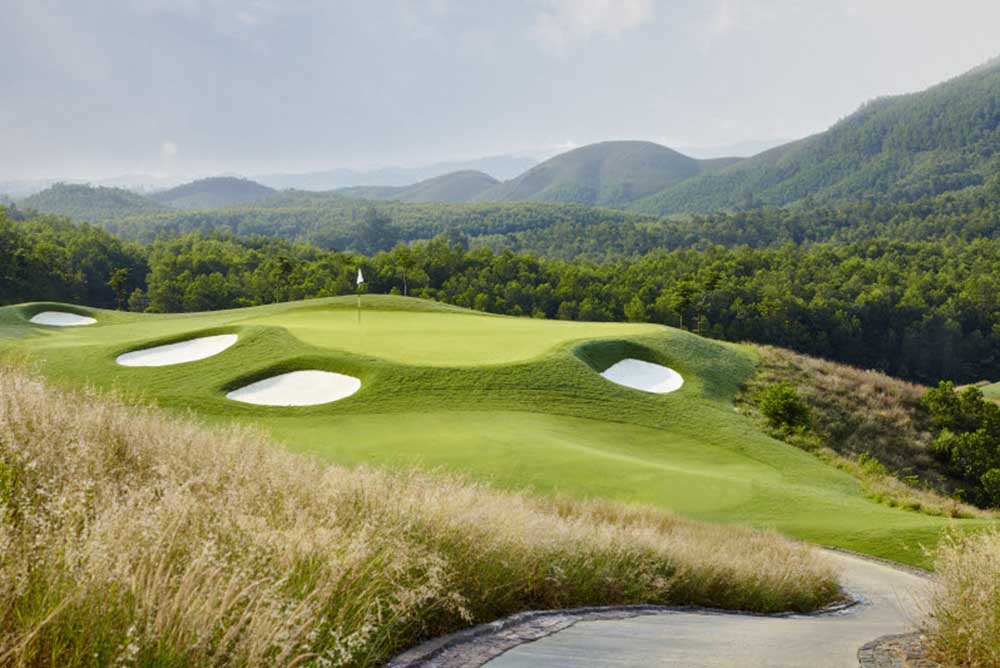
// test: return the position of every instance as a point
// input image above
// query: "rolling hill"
(517, 401)
(897, 148)
(609, 174)
(89, 203)
(454, 187)
(216, 192)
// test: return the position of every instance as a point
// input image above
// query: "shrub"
(968, 437)
(785, 409)
(991, 486)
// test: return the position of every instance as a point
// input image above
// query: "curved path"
(890, 601)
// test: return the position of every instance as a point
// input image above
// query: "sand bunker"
(61, 319)
(644, 376)
(298, 388)
(178, 353)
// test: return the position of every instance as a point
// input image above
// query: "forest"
(924, 309)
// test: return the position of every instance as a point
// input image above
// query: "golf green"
(515, 401)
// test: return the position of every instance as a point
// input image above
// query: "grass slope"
(514, 401)
(213, 193)
(130, 539)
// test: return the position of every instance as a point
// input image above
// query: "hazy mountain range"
(898, 148)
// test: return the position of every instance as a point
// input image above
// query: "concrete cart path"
(891, 602)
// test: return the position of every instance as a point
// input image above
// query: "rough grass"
(866, 423)
(131, 538)
(965, 625)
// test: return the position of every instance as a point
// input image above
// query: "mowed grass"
(991, 391)
(516, 402)
(131, 539)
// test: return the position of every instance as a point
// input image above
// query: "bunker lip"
(191, 350)
(309, 387)
(644, 376)
(61, 319)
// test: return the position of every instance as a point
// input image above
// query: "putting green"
(515, 401)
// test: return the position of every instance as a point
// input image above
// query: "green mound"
(514, 401)
(213, 193)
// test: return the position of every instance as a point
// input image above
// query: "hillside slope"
(89, 203)
(213, 193)
(611, 174)
(895, 148)
(460, 186)
(516, 401)
(175, 529)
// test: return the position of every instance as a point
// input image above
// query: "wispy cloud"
(727, 17)
(560, 23)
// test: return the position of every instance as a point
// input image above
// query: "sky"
(96, 88)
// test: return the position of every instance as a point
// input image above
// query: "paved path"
(891, 600)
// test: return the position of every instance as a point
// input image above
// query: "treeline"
(919, 310)
(334, 222)
(49, 258)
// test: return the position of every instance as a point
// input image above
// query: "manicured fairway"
(519, 402)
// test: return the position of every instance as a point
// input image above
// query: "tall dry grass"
(128, 538)
(965, 625)
(866, 423)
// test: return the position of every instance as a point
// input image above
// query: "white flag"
(361, 278)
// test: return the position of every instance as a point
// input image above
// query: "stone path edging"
(904, 650)
(473, 647)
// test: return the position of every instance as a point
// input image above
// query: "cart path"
(891, 602)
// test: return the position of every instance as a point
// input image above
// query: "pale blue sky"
(93, 88)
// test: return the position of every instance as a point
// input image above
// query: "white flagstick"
(361, 279)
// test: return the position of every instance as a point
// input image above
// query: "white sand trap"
(644, 376)
(61, 319)
(298, 388)
(179, 353)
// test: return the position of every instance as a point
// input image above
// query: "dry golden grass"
(130, 538)
(866, 423)
(965, 625)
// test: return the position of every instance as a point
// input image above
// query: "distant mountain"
(896, 148)
(455, 187)
(89, 203)
(216, 192)
(499, 167)
(609, 174)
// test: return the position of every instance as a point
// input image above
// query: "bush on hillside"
(866, 423)
(968, 438)
(784, 409)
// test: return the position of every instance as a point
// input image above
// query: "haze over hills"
(460, 186)
(500, 167)
(897, 149)
(213, 193)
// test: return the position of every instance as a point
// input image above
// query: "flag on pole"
(361, 278)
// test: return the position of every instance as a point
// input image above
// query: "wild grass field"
(129, 538)
(964, 629)
(512, 401)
